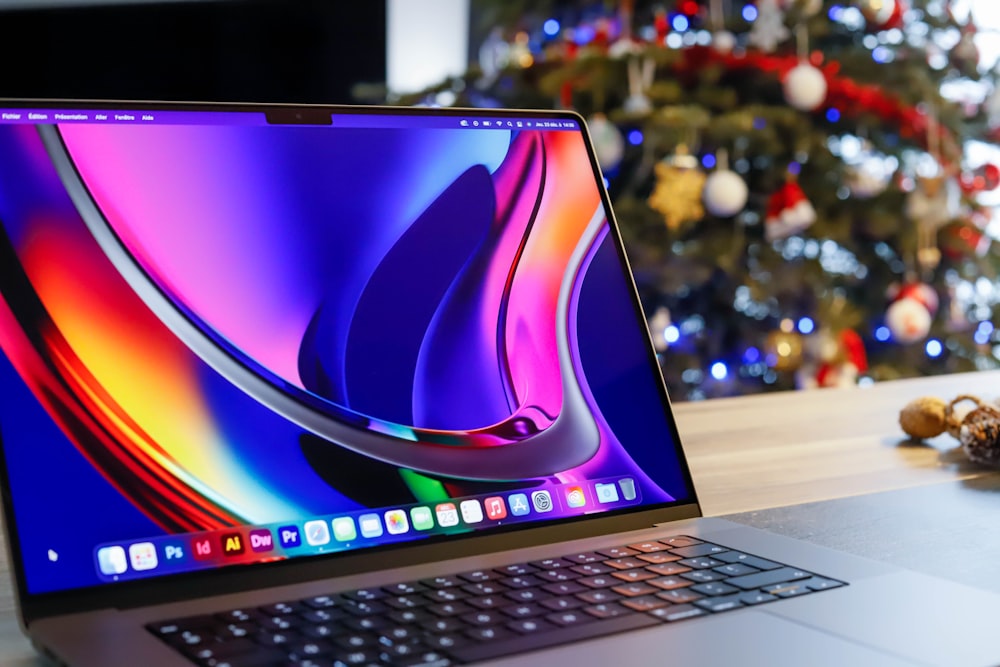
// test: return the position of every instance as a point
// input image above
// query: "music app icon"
(495, 508)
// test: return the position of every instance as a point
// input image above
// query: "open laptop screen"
(229, 341)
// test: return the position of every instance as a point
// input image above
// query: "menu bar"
(10, 116)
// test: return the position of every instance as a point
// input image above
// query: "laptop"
(298, 385)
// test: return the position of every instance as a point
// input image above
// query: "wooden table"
(828, 466)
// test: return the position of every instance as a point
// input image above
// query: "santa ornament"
(789, 212)
(839, 359)
(911, 312)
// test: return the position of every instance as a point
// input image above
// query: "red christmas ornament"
(991, 174)
(788, 212)
(661, 24)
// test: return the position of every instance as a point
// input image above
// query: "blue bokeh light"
(719, 370)
(551, 27)
(671, 334)
(751, 356)
(708, 161)
(883, 334)
(806, 325)
(635, 137)
(749, 13)
(833, 115)
(680, 23)
(934, 348)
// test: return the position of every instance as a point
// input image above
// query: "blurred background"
(806, 188)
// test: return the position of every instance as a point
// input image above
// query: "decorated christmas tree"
(793, 179)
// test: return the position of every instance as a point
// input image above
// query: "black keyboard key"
(527, 595)
(516, 570)
(488, 602)
(821, 584)
(519, 643)
(178, 626)
(634, 590)
(322, 615)
(446, 595)
(238, 616)
(696, 550)
(361, 608)
(618, 552)
(590, 569)
(568, 618)
(677, 612)
(265, 658)
(366, 623)
(365, 657)
(714, 588)
(424, 659)
(658, 557)
(600, 581)
(406, 601)
(626, 563)
(530, 626)
(443, 625)
(277, 622)
(310, 649)
(214, 651)
(747, 559)
(524, 610)
(488, 634)
(666, 569)
(700, 562)
(634, 575)
(736, 569)
(281, 608)
(407, 616)
(669, 583)
(768, 578)
(586, 557)
(756, 597)
(564, 588)
(788, 590)
(399, 634)
(718, 604)
(320, 602)
(365, 594)
(477, 576)
(562, 603)
(521, 581)
(484, 618)
(269, 638)
(484, 588)
(552, 563)
(446, 642)
(607, 610)
(322, 631)
(405, 588)
(703, 576)
(560, 574)
(442, 582)
(356, 640)
(449, 608)
(599, 596)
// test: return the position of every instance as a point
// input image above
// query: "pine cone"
(980, 435)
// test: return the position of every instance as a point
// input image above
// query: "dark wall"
(233, 50)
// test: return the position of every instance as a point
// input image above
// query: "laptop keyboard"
(487, 614)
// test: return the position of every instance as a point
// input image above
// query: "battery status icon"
(486, 123)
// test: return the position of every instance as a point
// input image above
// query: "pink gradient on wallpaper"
(185, 238)
(531, 327)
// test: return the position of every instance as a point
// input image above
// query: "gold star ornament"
(678, 189)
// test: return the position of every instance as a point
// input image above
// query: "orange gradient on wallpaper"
(534, 294)
(132, 357)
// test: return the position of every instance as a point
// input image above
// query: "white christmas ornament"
(769, 28)
(724, 41)
(877, 12)
(725, 193)
(805, 87)
(609, 145)
(908, 320)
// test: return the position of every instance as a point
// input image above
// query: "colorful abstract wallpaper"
(207, 326)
